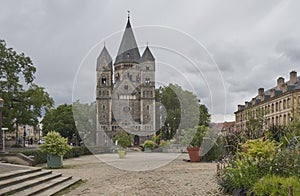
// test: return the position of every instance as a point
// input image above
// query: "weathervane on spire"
(128, 12)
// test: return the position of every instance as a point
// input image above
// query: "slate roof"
(147, 56)
(290, 87)
(104, 57)
(128, 50)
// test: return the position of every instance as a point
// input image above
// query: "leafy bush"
(241, 174)
(149, 144)
(41, 157)
(123, 138)
(287, 163)
(55, 144)
(252, 164)
(16, 146)
(259, 148)
(77, 151)
(275, 185)
(216, 152)
(163, 143)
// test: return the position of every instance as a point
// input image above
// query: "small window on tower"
(128, 55)
(147, 68)
(104, 80)
(125, 87)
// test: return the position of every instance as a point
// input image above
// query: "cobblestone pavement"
(177, 178)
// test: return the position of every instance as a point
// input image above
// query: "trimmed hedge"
(41, 157)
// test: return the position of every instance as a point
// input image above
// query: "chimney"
(284, 87)
(246, 104)
(280, 82)
(261, 94)
(240, 107)
(253, 101)
(293, 77)
(272, 92)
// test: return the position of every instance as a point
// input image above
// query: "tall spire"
(104, 60)
(128, 50)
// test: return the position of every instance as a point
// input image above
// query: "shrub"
(287, 163)
(163, 143)
(149, 144)
(216, 152)
(252, 164)
(275, 185)
(123, 138)
(55, 144)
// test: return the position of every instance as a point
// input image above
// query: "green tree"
(183, 110)
(24, 101)
(60, 120)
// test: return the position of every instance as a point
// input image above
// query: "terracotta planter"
(194, 154)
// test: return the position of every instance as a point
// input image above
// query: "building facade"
(125, 91)
(276, 106)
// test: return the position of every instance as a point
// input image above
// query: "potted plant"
(55, 146)
(124, 140)
(163, 145)
(194, 138)
(149, 145)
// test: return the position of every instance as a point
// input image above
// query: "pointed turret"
(104, 60)
(128, 50)
(147, 55)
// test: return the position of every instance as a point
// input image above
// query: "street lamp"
(24, 135)
(1, 136)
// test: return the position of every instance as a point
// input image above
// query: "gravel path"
(176, 178)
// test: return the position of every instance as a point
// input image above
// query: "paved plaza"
(177, 177)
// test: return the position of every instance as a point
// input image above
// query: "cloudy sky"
(251, 42)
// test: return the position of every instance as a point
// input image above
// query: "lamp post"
(24, 135)
(1, 136)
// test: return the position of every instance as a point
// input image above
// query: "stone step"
(38, 189)
(20, 172)
(22, 178)
(60, 187)
(29, 183)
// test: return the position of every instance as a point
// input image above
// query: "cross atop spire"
(128, 12)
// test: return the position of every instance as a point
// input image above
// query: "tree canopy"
(60, 120)
(183, 110)
(24, 101)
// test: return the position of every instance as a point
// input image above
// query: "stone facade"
(125, 92)
(276, 106)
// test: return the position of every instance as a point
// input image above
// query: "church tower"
(126, 90)
(104, 90)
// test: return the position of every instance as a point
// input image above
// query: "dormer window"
(127, 55)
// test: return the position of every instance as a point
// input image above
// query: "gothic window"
(276, 106)
(272, 107)
(103, 81)
(138, 78)
(147, 80)
(151, 93)
(284, 104)
(117, 76)
(144, 93)
(147, 107)
(147, 68)
(130, 77)
(125, 87)
(103, 107)
(99, 93)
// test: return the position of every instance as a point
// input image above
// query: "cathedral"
(125, 91)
